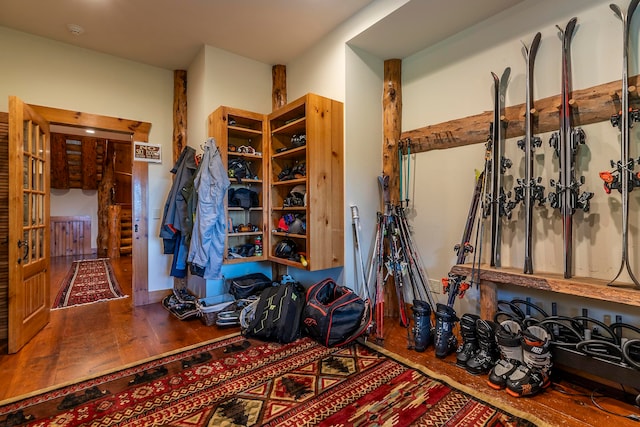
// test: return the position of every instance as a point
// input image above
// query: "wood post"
(179, 131)
(105, 189)
(278, 86)
(179, 112)
(114, 231)
(488, 299)
(392, 127)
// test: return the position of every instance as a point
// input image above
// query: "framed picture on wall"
(145, 152)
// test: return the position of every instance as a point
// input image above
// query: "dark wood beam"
(591, 105)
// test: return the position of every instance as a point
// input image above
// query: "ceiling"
(419, 24)
(169, 33)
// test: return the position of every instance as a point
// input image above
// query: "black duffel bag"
(334, 315)
(248, 285)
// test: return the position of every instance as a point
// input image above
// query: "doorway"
(139, 131)
(90, 203)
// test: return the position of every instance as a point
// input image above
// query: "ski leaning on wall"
(455, 284)
(496, 203)
(622, 177)
(567, 197)
(529, 189)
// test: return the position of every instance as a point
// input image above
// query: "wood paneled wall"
(70, 235)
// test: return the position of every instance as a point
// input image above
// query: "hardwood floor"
(86, 340)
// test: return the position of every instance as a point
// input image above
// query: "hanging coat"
(174, 219)
(206, 250)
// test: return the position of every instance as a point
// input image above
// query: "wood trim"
(592, 105)
(139, 182)
(139, 222)
(56, 115)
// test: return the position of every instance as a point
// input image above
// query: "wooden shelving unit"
(320, 120)
(235, 131)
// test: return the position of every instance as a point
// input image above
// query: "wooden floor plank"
(82, 341)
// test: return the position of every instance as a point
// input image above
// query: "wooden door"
(29, 301)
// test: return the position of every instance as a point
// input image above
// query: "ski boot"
(488, 354)
(469, 345)
(445, 341)
(508, 338)
(534, 374)
(421, 325)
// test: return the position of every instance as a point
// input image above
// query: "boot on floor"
(534, 374)
(421, 325)
(469, 346)
(445, 341)
(487, 356)
(508, 338)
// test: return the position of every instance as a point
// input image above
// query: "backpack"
(277, 314)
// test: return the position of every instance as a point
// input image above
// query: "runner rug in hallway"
(238, 382)
(88, 281)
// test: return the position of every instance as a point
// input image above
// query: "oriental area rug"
(238, 382)
(88, 281)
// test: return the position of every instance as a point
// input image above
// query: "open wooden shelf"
(585, 287)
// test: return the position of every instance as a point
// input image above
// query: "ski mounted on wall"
(529, 189)
(567, 197)
(496, 203)
(622, 177)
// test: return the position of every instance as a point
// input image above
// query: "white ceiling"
(422, 23)
(169, 33)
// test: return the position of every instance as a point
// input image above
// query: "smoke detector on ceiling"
(75, 29)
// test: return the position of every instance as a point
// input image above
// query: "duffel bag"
(276, 315)
(250, 284)
(334, 315)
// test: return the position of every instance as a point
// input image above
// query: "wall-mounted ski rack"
(591, 105)
(491, 278)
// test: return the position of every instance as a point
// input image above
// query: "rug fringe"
(89, 303)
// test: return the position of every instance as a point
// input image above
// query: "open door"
(29, 300)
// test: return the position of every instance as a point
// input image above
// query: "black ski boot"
(508, 338)
(445, 341)
(469, 346)
(421, 325)
(488, 354)
(534, 374)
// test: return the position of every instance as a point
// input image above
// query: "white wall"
(335, 70)
(75, 201)
(217, 77)
(53, 74)
(452, 80)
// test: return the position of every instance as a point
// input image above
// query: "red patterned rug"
(238, 382)
(88, 281)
